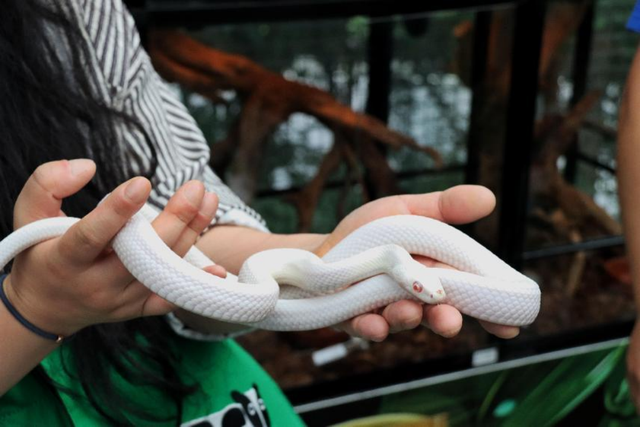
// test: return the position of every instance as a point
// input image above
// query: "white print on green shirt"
(248, 410)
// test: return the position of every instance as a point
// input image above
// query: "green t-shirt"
(234, 390)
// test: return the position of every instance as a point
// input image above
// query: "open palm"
(457, 205)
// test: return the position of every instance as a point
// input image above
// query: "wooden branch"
(352, 172)
(380, 174)
(585, 212)
(555, 139)
(576, 267)
(561, 21)
(258, 119)
(619, 269)
(173, 53)
(578, 214)
(555, 134)
(600, 128)
(269, 99)
(306, 200)
(563, 226)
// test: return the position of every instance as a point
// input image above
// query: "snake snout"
(427, 288)
(420, 281)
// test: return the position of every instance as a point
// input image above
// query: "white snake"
(485, 287)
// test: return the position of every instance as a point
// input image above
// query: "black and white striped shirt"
(127, 82)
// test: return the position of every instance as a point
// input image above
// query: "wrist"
(46, 326)
(230, 245)
(325, 244)
(311, 242)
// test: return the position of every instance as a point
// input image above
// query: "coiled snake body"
(317, 292)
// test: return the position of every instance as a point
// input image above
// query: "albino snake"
(485, 287)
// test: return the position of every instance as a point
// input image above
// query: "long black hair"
(49, 110)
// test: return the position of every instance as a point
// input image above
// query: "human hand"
(457, 205)
(65, 284)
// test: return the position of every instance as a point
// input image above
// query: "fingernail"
(136, 190)
(192, 192)
(378, 338)
(79, 166)
(450, 333)
(209, 205)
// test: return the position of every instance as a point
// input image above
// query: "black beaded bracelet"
(33, 328)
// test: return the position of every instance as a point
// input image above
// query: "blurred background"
(312, 108)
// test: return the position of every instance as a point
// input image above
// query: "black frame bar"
(482, 28)
(203, 12)
(525, 60)
(581, 62)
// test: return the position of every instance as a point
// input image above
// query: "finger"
(457, 205)
(216, 270)
(174, 224)
(402, 315)
(176, 217)
(442, 319)
(197, 225)
(142, 302)
(431, 263)
(88, 238)
(137, 300)
(42, 194)
(501, 331)
(368, 326)
(155, 305)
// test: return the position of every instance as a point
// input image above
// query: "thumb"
(42, 195)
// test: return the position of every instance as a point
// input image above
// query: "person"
(628, 174)
(83, 115)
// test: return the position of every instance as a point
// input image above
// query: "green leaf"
(459, 399)
(566, 386)
(617, 400)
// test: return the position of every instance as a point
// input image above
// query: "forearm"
(20, 350)
(629, 170)
(230, 246)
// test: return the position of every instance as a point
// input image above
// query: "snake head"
(422, 283)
